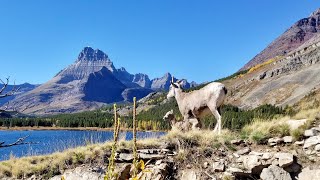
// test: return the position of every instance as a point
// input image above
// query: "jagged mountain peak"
(89, 54)
(89, 83)
(315, 13)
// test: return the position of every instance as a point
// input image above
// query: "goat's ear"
(174, 85)
(179, 81)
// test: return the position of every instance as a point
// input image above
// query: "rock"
(151, 156)
(237, 141)
(263, 75)
(317, 147)
(309, 152)
(124, 172)
(218, 166)
(256, 153)
(234, 170)
(238, 173)
(311, 141)
(299, 143)
(157, 172)
(205, 165)
(266, 156)
(189, 175)
(288, 139)
(295, 124)
(125, 157)
(229, 176)
(253, 164)
(308, 174)
(285, 159)
(310, 132)
(158, 162)
(274, 173)
(275, 141)
(149, 151)
(236, 155)
(317, 129)
(243, 151)
(81, 173)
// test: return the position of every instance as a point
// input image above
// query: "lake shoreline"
(41, 128)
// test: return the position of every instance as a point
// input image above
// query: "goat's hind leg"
(217, 115)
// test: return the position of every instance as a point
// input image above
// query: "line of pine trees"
(232, 118)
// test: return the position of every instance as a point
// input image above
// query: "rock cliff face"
(295, 36)
(89, 83)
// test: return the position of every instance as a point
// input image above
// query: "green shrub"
(280, 130)
(297, 134)
(259, 137)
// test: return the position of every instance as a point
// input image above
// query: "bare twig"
(9, 93)
(20, 141)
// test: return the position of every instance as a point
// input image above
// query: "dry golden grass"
(53, 163)
(309, 114)
(258, 66)
(259, 130)
(201, 138)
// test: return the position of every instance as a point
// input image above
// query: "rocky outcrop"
(163, 82)
(274, 172)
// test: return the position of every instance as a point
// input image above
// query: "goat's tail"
(225, 90)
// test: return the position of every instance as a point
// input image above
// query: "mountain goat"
(180, 125)
(198, 103)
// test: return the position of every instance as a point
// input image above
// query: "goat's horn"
(172, 79)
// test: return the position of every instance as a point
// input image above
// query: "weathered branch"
(20, 141)
(9, 93)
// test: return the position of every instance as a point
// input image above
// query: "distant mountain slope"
(23, 88)
(295, 36)
(284, 81)
(89, 83)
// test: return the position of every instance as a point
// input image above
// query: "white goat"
(198, 103)
(180, 125)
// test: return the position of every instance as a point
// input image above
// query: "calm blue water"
(52, 141)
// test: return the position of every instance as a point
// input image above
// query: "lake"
(49, 141)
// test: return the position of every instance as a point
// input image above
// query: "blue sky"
(198, 40)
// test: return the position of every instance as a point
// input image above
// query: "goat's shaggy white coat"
(198, 103)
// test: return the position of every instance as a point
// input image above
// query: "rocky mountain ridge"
(283, 80)
(292, 38)
(89, 83)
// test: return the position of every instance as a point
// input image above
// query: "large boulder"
(189, 175)
(285, 159)
(308, 174)
(311, 141)
(274, 173)
(81, 173)
(295, 124)
(254, 164)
